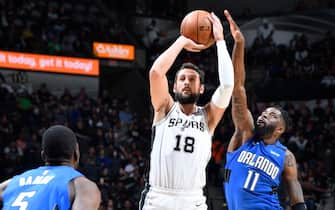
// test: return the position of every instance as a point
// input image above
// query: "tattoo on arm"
(291, 178)
(238, 106)
(290, 161)
(240, 112)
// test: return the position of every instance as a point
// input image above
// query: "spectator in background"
(265, 31)
(152, 36)
(128, 205)
(301, 55)
(125, 116)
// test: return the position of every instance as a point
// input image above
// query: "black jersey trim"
(143, 196)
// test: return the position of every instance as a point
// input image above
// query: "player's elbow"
(238, 89)
(155, 74)
(222, 96)
(240, 42)
(227, 89)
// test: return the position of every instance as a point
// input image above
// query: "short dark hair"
(189, 65)
(285, 116)
(58, 143)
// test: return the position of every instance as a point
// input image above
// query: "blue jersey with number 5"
(252, 175)
(43, 188)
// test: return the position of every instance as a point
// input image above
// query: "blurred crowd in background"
(55, 27)
(115, 144)
(300, 59)
(112, 140)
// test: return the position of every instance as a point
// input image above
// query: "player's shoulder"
(289, 158)
(280, 146)
(3, 186)
(289, 153)
(82, 181)
(81, 185)
(290, 165)
(85, 185)
(28, 172)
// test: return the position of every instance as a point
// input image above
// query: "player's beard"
(187, 99)
(264, 131)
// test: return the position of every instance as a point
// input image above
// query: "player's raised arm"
(293, 187)
(221, 97)
(86, 194)
(160, 97)
(242, 117)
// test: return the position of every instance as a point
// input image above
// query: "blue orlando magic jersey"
(252, 175)
(43, 188)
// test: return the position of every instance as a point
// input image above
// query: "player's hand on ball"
(234, 29)
(217, 27)
(191, 46)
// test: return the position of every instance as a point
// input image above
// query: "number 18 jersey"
(181, 149)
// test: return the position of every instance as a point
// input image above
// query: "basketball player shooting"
(182, 130)
(256, 160)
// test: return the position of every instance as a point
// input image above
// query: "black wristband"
(299, 206)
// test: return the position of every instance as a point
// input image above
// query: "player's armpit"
(214, 115)
(235, 141)
(290, 176)
(87, 195)
(242, 118)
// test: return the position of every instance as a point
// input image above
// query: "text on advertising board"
(49, 63)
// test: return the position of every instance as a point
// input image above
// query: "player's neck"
(187, 109)
(62, 163)
(270, 140)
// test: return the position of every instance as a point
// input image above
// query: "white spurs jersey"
(181, 150)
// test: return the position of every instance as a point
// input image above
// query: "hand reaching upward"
(217, 27)
(235, 30)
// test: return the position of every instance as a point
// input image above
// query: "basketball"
(197, 26)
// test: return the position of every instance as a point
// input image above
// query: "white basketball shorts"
(154, 198)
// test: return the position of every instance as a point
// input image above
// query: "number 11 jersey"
(252, 175)
(181, 149)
